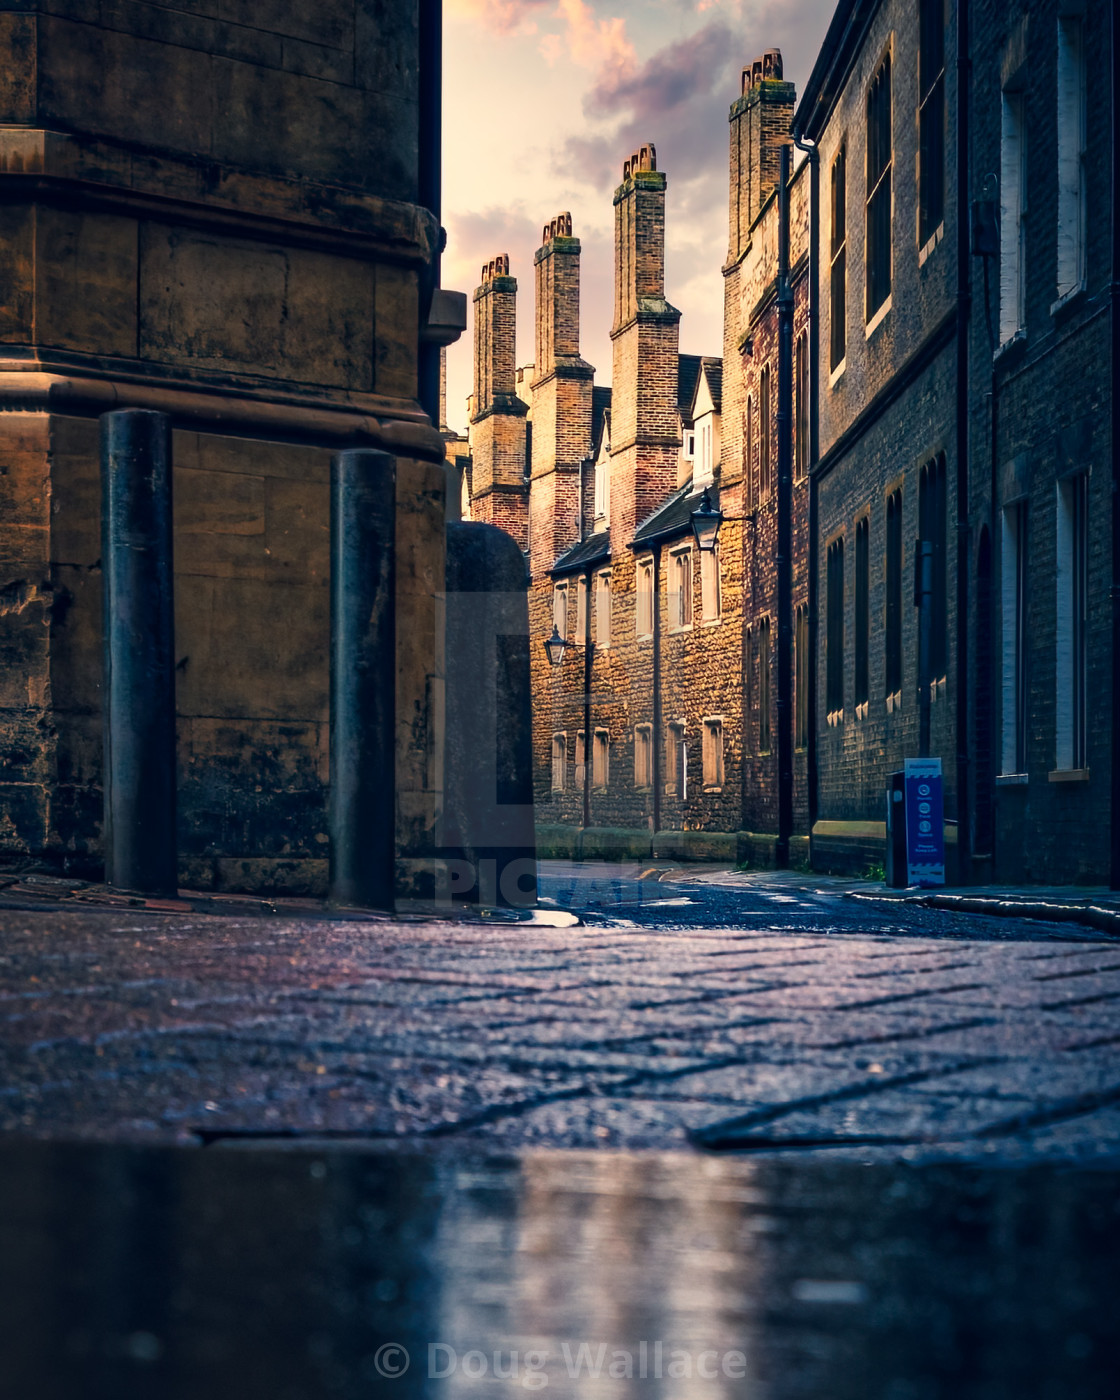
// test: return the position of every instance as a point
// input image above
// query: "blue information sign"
(925, 825)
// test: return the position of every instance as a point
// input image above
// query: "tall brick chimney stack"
(645, 439)
(760, 126)
(561, 393)
(499, 492)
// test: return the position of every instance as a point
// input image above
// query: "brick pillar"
(760, 127)
(645, 439)
(499, 492)
(561, 394)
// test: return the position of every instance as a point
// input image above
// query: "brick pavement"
(131, 1026)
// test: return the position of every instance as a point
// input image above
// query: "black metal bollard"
(363, 678)
(488, 839)
(139, 651)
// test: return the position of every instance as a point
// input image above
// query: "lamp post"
(706, 520)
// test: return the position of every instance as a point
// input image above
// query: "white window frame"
(560, 609)
(559, 762)
(643, 756)
(601, 758)
(711, 597)
(674, 756)
(1013, 577)
(1071, 157)
(643, 611)
(712, 753)
(682, 589)
(603, 489)
(1012, 217)
(583, 611)
(603, 609)
(1071, 711)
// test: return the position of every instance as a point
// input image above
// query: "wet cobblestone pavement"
(163, 1274)
(810, 1025)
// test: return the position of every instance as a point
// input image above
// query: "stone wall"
(213, 217)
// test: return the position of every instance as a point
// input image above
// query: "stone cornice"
(52, 166)
(396, 425)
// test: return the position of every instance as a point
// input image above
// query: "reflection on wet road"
(187, 1273)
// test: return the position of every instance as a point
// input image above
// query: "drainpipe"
(783, 555)
(656, 744)
(1114, 816)
(810, 149)
(964, 537)
(588, 659)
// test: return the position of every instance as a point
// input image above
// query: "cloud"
(473, 238)
(590, 42)
(668, 81)
(678, 99)
(500, 16)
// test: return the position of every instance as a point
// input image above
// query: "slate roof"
(675, 516)
(713, 372)
(588, 551)
(688, 372)
(600, 407)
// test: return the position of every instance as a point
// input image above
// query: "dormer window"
(689, 446)
(702, 462)
(602, 488)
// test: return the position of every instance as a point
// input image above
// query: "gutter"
(813, 154)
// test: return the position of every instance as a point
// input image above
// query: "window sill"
(836, 374)
(1011, 349)
(861, 709)
(1012, 779)
(1068, 775)
(931, 243)
(674, 631)
(894, 701)
(877, 319)
(644, 637)
(1067, 299)
(835, 717)
(713, 787)
(937, 689)
(711, 622)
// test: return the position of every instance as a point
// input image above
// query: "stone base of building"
(747, 848)
(852, 848)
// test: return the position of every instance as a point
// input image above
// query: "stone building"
(1043, 485)
(889, 386)
(965, 380)
(232, 221)
(672, 708)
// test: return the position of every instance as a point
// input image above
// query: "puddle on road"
(228, 1272)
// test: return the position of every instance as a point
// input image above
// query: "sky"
(545, 99)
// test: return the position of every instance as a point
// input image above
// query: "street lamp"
(706, 522)
(555, 646)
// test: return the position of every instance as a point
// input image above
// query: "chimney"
(760, 119)
(499, 492)
(561, 400)
(645, 429)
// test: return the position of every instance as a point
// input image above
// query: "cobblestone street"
(811, 1023)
